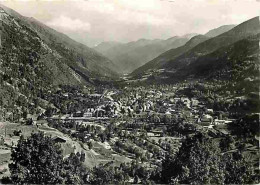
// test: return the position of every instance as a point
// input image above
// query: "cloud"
(125, 11)
(67, 23)
(93, 21)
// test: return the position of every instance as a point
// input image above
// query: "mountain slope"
(180, 57)
(231, 72)
(243, 30)
(103, 47)
(87, 60)
(28, 67)
(235, 63)
(132, 55)
(77, 56)
(162, 59)
(24, 53)
(35, 59)
(217, 31)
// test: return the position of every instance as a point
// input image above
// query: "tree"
(24, 115)
(49, 112)
(136, 179)
(227, 143)
(82, 157)
(198, 161)
(36, 160)
(29, 121)
(239, 170)
(103, 174)
(245, 127)
(75, 172)
(90, 145)
(122, 111)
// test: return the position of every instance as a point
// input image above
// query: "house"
(205, 121)
(95, 95)
(221, 122)
(87, 114)
(209, 111)
(175, 100)
(78, 114)
(66, 94)
(90, 110)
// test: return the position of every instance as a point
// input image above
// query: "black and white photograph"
(129, 92)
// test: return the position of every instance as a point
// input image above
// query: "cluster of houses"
(139, 101)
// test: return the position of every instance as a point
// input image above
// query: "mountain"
(235, 63)
(231, 71)
(85, 60)
(242, 31)
(162, 59)
(189, 35)
(198, 46)
(132, 55)
(217, 31)
(104, 46)
(80, 59)
(35, 59)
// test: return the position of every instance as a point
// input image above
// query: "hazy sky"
(94, 21)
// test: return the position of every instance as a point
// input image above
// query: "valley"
(183, 110)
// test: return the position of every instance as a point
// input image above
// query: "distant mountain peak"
(189, 35)
(174, 37)
(132, 55)
(217, 31)
(200, 45)
(194, 40)
(104, 46)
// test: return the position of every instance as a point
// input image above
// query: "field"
(99, 154)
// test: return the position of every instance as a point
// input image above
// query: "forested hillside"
(34, 61)
(178, 58)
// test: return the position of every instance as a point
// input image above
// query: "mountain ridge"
(34, 62)
(85, 57)
(239, 32)
(132, 55)
(179, 57)
(219, 30)
(172, 53)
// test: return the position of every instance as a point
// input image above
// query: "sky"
(93, 21)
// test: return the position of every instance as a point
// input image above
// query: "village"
(129, 125)
(129, 92)
(161, 106)
(141, 112)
